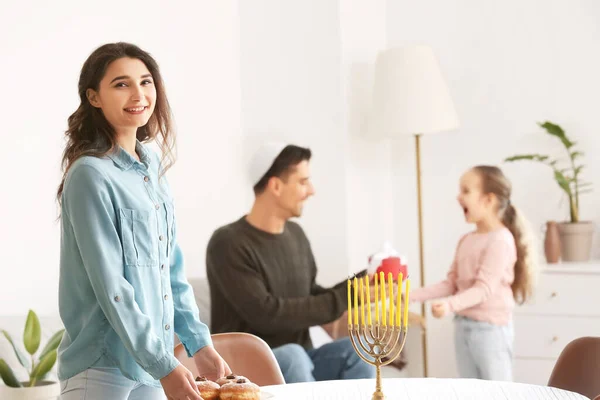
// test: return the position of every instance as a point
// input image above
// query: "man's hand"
(440, 309)
(210, 364)
(180, 385)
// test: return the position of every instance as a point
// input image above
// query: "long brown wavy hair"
(90, 134)
(494, 181)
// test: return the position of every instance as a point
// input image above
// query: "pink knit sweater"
(479, 280)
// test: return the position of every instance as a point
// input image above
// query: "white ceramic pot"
(43, 391)
(576, 240)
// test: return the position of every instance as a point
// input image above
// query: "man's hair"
(283, 165)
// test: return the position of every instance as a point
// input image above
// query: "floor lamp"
(410, 97)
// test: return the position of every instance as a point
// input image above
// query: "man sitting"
(261, 273)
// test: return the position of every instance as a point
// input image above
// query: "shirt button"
(146, 179)
(166, 297)
(167, 327)
(160, 238)
(162, 266)
(117, 298)
(157, 206)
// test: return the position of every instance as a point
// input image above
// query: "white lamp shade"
(410, 95)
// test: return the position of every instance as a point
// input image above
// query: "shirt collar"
(125, 161)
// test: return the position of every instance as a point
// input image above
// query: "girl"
(492, 269)
(123, 291)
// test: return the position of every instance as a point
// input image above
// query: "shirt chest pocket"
(139, 237)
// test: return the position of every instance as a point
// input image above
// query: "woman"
(123, 292)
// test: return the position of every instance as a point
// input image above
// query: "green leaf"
(576, 154)
(18, 352)
(578, 169)
(558, 132)
(7, 375)
(562, 182)
(33, 333)
(528, 157)
(52, 343)
(584, 191)
(45, 365)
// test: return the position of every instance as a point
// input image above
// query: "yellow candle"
(362, 302)
(376, 300)
(368, 300)
(383, 312)
(355, 300)
(391, 299)
(349, 303)
(398, 297)
(406, 302)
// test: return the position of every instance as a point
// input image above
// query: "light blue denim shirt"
(123, 290)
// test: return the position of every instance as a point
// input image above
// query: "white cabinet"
(566, 305)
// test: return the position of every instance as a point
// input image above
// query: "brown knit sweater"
(264, 284)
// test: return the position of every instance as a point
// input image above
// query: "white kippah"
(263, 159)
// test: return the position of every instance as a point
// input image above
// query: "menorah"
(378, 343)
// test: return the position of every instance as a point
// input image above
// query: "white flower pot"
(576, 240)
(42, 391)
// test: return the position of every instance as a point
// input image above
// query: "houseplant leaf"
(52, 343)
(8, 376)
(18, 352)
(558, 132)
(44, 366)
(530, 157)
(563, 182)
(33, 333)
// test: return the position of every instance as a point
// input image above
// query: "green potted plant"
(575, 235)
(36, 388)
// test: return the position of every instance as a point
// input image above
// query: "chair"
(246, 354)
(577, 368)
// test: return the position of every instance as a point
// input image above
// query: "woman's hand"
(180, 385)
(210, 364)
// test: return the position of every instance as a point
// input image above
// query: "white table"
(417, 389)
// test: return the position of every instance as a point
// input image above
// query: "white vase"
(43, 391)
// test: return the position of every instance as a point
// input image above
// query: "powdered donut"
(209, 390)
(242, 389)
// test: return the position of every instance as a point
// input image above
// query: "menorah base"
(378, 394)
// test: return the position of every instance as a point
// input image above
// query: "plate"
(266, 395)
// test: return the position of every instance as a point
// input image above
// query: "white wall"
(42, 47)
(508, 64)
(291, 90)
(368, 172)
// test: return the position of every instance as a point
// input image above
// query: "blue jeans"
(483, 350)
(332, 361)
(106, 383)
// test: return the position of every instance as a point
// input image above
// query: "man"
(261, 273)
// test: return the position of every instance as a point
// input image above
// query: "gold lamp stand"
(421, 253)
(410, 97)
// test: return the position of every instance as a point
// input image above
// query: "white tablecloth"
(417, 389)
